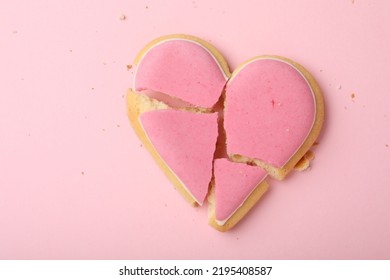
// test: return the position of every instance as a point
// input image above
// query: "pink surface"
(183, 69)
(269, 111)
(75, 182)
(186, 142)
(234, 182)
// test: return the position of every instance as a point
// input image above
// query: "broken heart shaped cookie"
(216, 134)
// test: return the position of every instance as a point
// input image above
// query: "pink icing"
(233, 184)
(269, 111)
(183, 69)
(186, 142)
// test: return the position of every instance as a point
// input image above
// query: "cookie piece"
(181, 142)
(273, 113)
(184, 67)
(236, 189)
(186, 143)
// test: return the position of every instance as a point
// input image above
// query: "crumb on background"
(302, 165)
(353, 95)
(129, 66)
(122, 17)
(309, 155)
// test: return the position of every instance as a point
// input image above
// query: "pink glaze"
(270, 110)
(233, 184)
(182, 69)
(186, 142)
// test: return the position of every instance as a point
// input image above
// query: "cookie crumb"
(70, 50)
(123, 96)
(122, 17)
(93, 88)
(129, 66)
(103, 129)
(309, 155)
(339, 87)
(302, 164)
(316, 143)
(320, 70)
(165, 205)
(387, 145)
(15, 32)
(118, 125)
(146, 7)
(82, 173)
(140, 145)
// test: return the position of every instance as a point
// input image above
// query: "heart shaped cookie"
(216, 134)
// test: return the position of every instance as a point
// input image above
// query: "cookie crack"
(172, 101)
(150, 101)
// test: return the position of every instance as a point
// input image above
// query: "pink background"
(75, 182)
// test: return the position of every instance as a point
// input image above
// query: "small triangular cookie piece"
(185, 142)
(237, 187)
